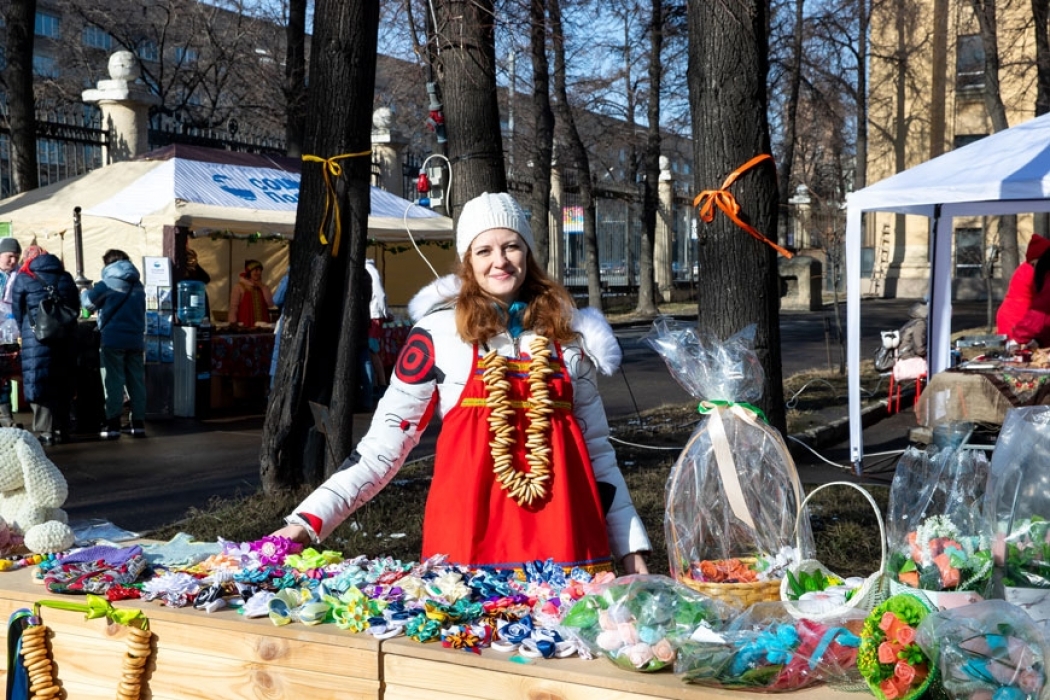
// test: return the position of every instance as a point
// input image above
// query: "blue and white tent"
(217, 195)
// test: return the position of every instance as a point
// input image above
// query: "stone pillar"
(664, 242)
(556, 246)
(387, 146)
(125, 107)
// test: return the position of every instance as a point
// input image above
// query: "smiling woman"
(502, 355)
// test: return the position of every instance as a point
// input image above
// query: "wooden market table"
(201, 656)
(413, 671)
(981, 395)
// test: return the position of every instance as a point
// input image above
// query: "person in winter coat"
(10, 252)
(250, 299)
(1033, 328)
(524, 468)
(47, 367)
(913, 333)
(1021, 289)
(120, 300)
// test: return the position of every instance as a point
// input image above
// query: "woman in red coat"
(1034, 325)
(1019, 294)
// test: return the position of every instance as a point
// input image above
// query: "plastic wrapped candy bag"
(936, 528)
(767, 650)
(1018, 508)
(733, 495)
(639, 621)
(990, 649)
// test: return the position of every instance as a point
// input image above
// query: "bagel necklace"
(532, 486)
(36, 657)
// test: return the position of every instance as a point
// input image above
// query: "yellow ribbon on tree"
(330, 168)
(95, 608)
(723, 199)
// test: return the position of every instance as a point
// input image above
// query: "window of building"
(148, 50)
(184, 54)
(969, 252)
(45, 66)
(969, 62)
(47, 25)
(96, 38)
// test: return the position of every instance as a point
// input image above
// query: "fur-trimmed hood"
(596, 335)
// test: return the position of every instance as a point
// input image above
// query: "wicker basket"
(875, 588)
(740, 595)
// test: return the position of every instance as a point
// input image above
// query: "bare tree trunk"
(295, 77)
(787, 157)
(938, 74)
(860, 174)
(728, 66)
(1009, 256)
(325, 318)
(577, 156)
(1041, 17)
(465, 66)
(21, 115)
(543, 144)
(651, 195)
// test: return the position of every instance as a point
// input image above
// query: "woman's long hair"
(1041, 268)
(480, 317)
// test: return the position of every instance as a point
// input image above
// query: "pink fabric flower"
(272, 549)
(663, 651)
(628, 633)
(889, 689)
(1030, 682)
(608, 640)
(905, 634)
(639, 654)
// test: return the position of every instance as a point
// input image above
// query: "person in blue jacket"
(47, 367)
(120, 300)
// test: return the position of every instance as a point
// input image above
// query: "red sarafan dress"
(476, 522)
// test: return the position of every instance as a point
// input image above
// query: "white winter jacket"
(402, 413)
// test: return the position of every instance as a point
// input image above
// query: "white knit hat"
(488, 211)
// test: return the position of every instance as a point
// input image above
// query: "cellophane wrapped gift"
(1018, 508)
(733, 494)
(936, 527)
(891, 662)
(766, 649)
(990, 649)
(639, 621)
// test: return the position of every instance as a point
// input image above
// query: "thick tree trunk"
(860, 174)
(325, 315)
(651, 195)
(465, 66)
(728, 65)
(577, 156)
(295, 77)
(21, 114)
(543, 144)
(1041, 17)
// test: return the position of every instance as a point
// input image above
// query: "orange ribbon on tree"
(724, 200)
(331, 168)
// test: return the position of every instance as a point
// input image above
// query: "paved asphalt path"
(142, 484)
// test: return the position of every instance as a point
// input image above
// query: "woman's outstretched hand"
(296, 533)
(634, 563)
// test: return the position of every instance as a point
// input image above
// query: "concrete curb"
(838, 430)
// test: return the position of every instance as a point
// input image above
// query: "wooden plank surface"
(197, 656)
(412, 671)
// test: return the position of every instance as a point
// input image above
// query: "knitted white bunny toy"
(32, 489)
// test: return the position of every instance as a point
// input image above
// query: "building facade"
(927, 96)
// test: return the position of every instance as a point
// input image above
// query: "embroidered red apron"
(475, 522)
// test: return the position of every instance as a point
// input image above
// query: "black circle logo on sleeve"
(415, 362)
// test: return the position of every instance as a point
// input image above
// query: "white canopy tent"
(1005, 173)
(215, 194)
